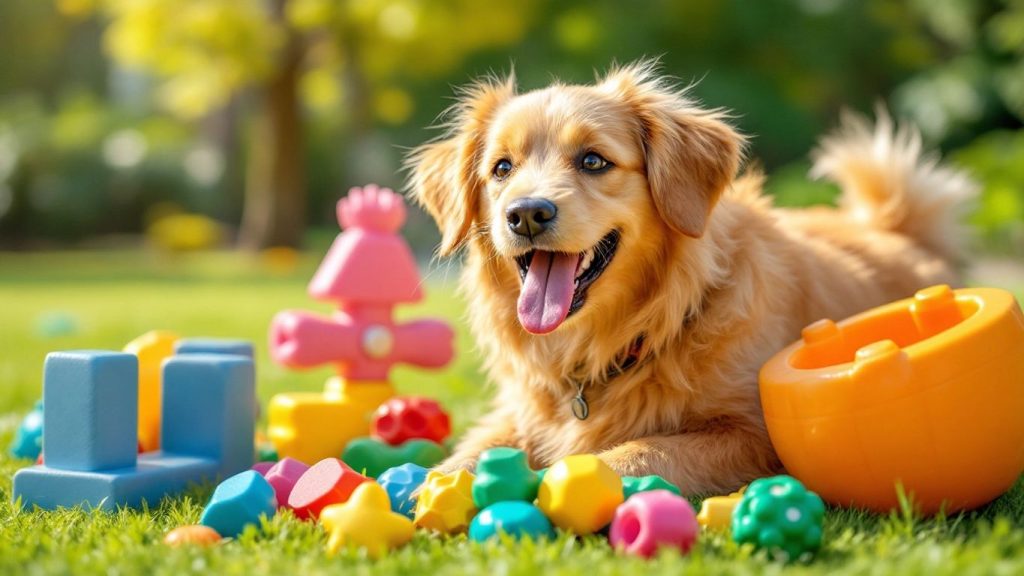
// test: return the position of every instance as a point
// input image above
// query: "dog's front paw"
(623, 462)
(456, 462)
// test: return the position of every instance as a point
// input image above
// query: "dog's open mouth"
(555, 284)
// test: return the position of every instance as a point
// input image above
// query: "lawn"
(113, 297)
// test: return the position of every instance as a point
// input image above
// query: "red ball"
(409, 418)
(327, 482)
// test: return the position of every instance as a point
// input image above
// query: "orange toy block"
(366, 521)
(927, 392)
(445, 502)
(152, 348)
(311, 426)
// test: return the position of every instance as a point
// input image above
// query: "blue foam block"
(400, 483)
(90, 406)
(238, 502)
(28, 439)
(156, 475)
(209, 409)
(213, 346)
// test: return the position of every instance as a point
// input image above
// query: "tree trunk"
(274, 213)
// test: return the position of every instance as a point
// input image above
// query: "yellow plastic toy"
(366, 521)
(311, 426)
(716, 511)
(152, 348)
(926, 392)
(580, 493)
(445, 503)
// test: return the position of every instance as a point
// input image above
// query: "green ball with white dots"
(781, 516)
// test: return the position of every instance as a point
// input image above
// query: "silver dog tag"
(580, 408)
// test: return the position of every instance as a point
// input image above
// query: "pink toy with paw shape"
(368, 270)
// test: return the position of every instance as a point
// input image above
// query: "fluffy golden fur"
(714, 277)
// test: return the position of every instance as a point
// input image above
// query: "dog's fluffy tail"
(889, 182)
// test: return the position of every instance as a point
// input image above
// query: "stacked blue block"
(94, 397)
(214, 346)
(209, 409)
(90, 406)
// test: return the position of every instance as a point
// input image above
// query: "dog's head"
(570, 186)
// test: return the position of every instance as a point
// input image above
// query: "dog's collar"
(623, 363)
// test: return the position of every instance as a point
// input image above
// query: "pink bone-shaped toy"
(368, 270)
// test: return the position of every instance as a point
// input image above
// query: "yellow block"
(151, 348)
(716, 512)
(311, 426)
(366, 521)
(445, 502)
(580, 494)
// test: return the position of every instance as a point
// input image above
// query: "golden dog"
(624, 283)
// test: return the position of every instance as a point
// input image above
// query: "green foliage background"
(82, 80)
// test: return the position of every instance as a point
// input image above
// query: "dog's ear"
(446, 178)
(691, 154)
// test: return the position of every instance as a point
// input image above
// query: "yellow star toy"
(366, 521)
(445, 503)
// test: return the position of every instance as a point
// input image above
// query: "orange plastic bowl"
(926, 393)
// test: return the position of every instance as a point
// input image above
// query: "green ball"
(781, 516)
(503, 474)
(633, 485)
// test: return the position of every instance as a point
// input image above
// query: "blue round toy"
(28, 440)
(513, 517)
(400, 482)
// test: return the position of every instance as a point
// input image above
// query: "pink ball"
(650, 520)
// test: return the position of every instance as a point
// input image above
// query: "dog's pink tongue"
(547, 291)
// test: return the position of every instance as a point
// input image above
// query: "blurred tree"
(345, 57)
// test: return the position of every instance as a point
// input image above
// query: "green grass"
(116, 296)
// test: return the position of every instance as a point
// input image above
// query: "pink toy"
(263, 467)
(649, 520)
(283, 477)
(368, 270)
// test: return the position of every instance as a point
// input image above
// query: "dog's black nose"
(530, 216)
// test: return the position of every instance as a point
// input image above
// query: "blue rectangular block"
(213, 346)
(90, 410)
(155, 476)
(209, 409)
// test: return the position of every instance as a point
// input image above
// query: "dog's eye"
(593, 162)
(502, 169)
